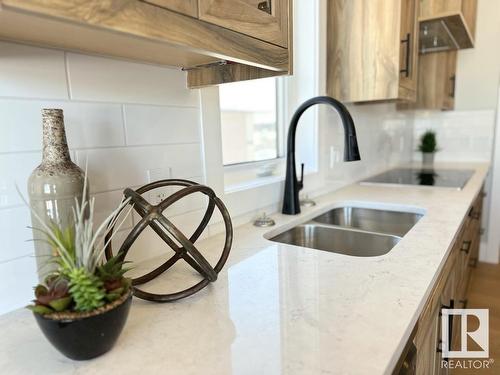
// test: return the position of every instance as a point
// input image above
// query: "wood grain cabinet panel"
(436, 82)
(372, 50)
(187, 7)
(447, 24)
(262, 19)
(426, 342)
(166, 32)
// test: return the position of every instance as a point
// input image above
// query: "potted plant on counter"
(428, 146)
(82, 306)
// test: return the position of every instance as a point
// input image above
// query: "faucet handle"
(300, 184)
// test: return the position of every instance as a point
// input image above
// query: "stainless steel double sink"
(354, 231)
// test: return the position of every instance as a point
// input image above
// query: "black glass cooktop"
(450, 178)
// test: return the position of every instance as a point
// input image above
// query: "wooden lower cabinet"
(448, 292)
(426, 342)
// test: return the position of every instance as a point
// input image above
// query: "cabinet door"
(427, 342)
(187, 7)
(262, 19)
(436, 80)
(448, 301)
(408, 54)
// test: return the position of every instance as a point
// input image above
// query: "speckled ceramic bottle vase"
(53, 186)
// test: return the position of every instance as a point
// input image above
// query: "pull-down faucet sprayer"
(291, 205)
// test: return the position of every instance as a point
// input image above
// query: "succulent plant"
(84, 281)
(428, 142)
(86, 289)
(53, 298)
(111, 273)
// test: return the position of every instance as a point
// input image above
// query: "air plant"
(84, 280)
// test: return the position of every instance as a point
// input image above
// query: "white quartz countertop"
(277, 309)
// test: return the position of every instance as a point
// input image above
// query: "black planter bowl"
(89, 335)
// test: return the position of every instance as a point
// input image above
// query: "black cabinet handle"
(407, 41)
(471, 211)
(473, 263)
(466, 246)
(265, 6)
(452, 82)
(450, 327)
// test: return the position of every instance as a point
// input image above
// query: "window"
(249, 121)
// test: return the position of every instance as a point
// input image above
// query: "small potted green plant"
(83, 305)
(428, 146)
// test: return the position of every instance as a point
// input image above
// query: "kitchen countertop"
(278, 309)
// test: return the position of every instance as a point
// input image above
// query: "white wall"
(478, 69)
(490, 250)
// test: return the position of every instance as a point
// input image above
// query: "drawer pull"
(473, 263)
(471, 211)
(265, 6)
(407, 41)
(452, 84)
(476, 215)
(450, 326)
(466, 246)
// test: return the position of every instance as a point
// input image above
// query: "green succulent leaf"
(40, 290)
(40, 309)
(112, 269)
(61, 304)
(86, 289)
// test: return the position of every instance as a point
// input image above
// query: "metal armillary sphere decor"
(153, 217)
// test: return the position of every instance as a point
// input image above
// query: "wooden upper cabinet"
(214, 41)
(187, 7)
(447, 24)
(436, 82)
(262, 19)
(372, 50)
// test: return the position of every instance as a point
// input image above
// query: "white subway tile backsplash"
(461, 135)
(15, 169)
(113, 169)
(91, 125)
(105, 204)
(17, 275)
(21, 122)
(149, 125)
(87, 124)
(102, 79)
(15, 233)
(31, 72)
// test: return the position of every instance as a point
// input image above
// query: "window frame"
(238, 176)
